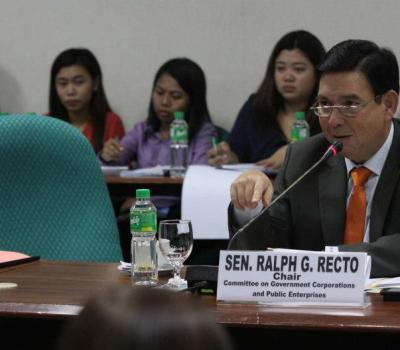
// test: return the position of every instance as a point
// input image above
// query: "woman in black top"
(262, 129)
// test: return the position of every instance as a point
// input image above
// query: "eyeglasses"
(350, 110)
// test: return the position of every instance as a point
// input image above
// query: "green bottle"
(179, 145)
(143, 221)
(300, 128)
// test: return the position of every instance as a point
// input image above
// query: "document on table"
(112, 169)
(249, 166)
(374, 285)
(158, 170)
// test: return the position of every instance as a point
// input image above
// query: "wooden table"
(123, 187)
(152, 180)
(49, 293)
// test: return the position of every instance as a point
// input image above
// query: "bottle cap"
(300, 115)
(142, 193)
(179, 115)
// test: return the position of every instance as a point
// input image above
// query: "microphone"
(196, 287)
(253, 242)
(202, 278)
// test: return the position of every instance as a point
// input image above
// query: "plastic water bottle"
(179, 145)
(300, 127)
(143, 220)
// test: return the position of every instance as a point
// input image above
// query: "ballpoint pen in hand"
(214, 144)
(215, 148)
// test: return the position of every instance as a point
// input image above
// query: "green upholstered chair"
(53, 198)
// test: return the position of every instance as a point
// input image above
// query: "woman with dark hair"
(179, 85)
(127, 318)
(77, 96)
(262, 129)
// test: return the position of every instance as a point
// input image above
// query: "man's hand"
(251, 187)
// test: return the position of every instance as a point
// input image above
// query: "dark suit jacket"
(312, 215)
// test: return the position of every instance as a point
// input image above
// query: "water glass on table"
(175, 239)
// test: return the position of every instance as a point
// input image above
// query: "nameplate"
(292, 277)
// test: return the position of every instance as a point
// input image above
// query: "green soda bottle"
(300, 128)
(143, 221)
(179, 145)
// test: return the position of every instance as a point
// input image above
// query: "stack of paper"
(113, 170)
(158, 170)
(249, 166)
(374, 285)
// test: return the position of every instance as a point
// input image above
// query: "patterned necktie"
(357, 207)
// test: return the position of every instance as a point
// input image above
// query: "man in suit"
(356, 102)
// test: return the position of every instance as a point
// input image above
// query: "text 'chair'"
(53, 197)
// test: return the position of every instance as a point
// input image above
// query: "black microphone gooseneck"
(332, 150)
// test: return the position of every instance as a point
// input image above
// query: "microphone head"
(337, 145)
(333, 149)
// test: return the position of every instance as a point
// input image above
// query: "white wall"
(230, 39)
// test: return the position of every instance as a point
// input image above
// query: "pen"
(214, 144)
(215, 148)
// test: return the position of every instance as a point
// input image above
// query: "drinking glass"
(175, 238)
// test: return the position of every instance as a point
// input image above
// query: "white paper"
(248, 166)
(144, 172)
(205, 200)
(371, 285)
(113, 170)
(386, 282)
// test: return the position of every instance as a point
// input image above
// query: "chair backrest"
(53, 197)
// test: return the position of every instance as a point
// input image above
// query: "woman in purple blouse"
(179, 85)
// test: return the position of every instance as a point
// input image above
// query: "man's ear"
(390, 101)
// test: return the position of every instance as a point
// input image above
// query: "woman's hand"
(276, 160)
(222, 154)
(111, 151)
(127, 204)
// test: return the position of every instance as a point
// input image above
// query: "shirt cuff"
(244, 216)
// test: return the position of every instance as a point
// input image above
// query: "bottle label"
(303, 133)
(143, 221)
(299, 134)
(179, 134)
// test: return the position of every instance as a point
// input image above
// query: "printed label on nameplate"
(292, 277)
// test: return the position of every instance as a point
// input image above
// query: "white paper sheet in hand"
(205, 200)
